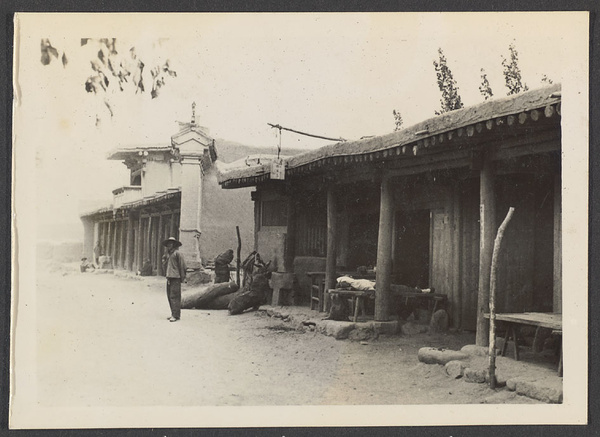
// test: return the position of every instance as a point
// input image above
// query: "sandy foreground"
(104, 340)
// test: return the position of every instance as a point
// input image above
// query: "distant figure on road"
(86, 265)
(105, 262)
(97, 252)
(175, 275)
(146, 269)
(222, 273)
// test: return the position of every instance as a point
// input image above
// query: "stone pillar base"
(390, 327)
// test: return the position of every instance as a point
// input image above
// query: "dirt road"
(106, 341)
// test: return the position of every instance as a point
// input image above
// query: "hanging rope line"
(276, 126)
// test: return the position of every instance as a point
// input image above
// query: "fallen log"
(253, 297)
(222, 302)
(201, 298)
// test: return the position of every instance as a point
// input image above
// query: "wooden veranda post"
(159, 247)
(290, 235)
(239, 254)
(493, 271)
(140, 242)
(113, 247)
(330, 270)
(487, 214)
(384, 252)
(129, 249)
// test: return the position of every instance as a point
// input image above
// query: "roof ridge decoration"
(469, 119)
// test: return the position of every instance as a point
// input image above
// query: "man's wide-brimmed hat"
(172, 240)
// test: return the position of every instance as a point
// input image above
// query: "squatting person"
(175, 275)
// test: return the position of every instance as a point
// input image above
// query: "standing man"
(97, 252)
(175, 275)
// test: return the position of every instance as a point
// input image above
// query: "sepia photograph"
(299, 219)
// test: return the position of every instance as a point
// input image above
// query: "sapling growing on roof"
(447, 84)
(512, 72)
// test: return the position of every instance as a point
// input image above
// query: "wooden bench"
(513, 321)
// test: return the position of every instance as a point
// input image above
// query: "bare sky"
(328, 74)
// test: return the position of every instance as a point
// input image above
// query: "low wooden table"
(318, 298)
(439, 300)
(540, 320)
(358, 298)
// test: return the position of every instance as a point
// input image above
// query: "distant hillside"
(229, 151)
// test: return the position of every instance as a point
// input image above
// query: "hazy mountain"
(229, 151)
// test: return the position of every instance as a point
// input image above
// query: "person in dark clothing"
(86, 265)
(146, 269)
(222, 266)
(175, 273)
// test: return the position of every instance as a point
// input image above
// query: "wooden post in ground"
(113, 252)
(487, 218)
(330, 263)
(109, 228)
(152, 243)
(129, 248)
(140, 243)
(239, 254)
(290, 235)
(493, 271)
(159, 247)
(384, 252)
(557, 257)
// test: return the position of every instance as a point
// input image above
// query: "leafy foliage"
(547, 80)
(48, 52)
(450, 98)
(512, 72)
(112, 69)
(485, 89)
(397, 120)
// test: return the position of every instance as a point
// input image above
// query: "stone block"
(197, 277)
(389, 327)
(439, 322)
(335, 329)
(455, 369)
(361, 333)
(422, 315)
(544, 390)
(500, 379)
(474, 350)
(412, 328)
(475, 375)
(431, 355)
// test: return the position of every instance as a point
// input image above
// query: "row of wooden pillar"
(131, 241)
(385, 244)
(384, 247)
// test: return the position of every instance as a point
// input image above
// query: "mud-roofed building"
(423, 205)
(173, 191)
